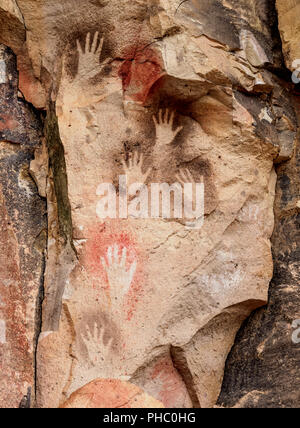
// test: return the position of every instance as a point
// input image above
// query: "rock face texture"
(288, 17)
(155, 132)
(22, 238)
(263, 368)
(110, 394)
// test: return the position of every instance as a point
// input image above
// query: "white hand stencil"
(133, 169)
(164, 128)
(119, 277)
(89, 59)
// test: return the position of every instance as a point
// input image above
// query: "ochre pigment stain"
(103, 237)
(7, 123)
(172, 388)
(13, 306)
(139, 72)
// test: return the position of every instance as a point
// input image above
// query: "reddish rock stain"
(7, 123)
(99, 240)
(173, 390)
(141, 69)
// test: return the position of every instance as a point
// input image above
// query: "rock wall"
(23, 240)
(155, 132)
(263, 368)
(288, 12)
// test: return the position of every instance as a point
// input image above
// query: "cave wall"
(196, 93)
(23, 239)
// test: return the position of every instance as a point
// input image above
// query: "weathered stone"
(13, 34)
(189, 279)
(263, 368)
(147, 303)
(22, 241)
(162, 380)
(288, 17)
(105, 393)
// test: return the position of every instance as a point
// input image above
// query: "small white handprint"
(89, 59)
(119, 276)
(98, 351)
(164, 128)
(133, 169)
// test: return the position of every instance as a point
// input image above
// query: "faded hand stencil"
(133, 169)
(164, 124)
(99, 352)
(80, 89)
(104, 360)
(163, 152)
(89, 58)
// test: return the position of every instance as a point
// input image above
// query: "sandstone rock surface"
(266, 343)
(288, 17)
(22, 240)
(141, 303)
(111, 393)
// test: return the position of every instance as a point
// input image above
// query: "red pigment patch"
(173, 390)
(7, 123)
(30, 87)
(139, 72)
(110, 393)
(100, 239)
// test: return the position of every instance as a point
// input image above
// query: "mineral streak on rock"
(110, 393)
